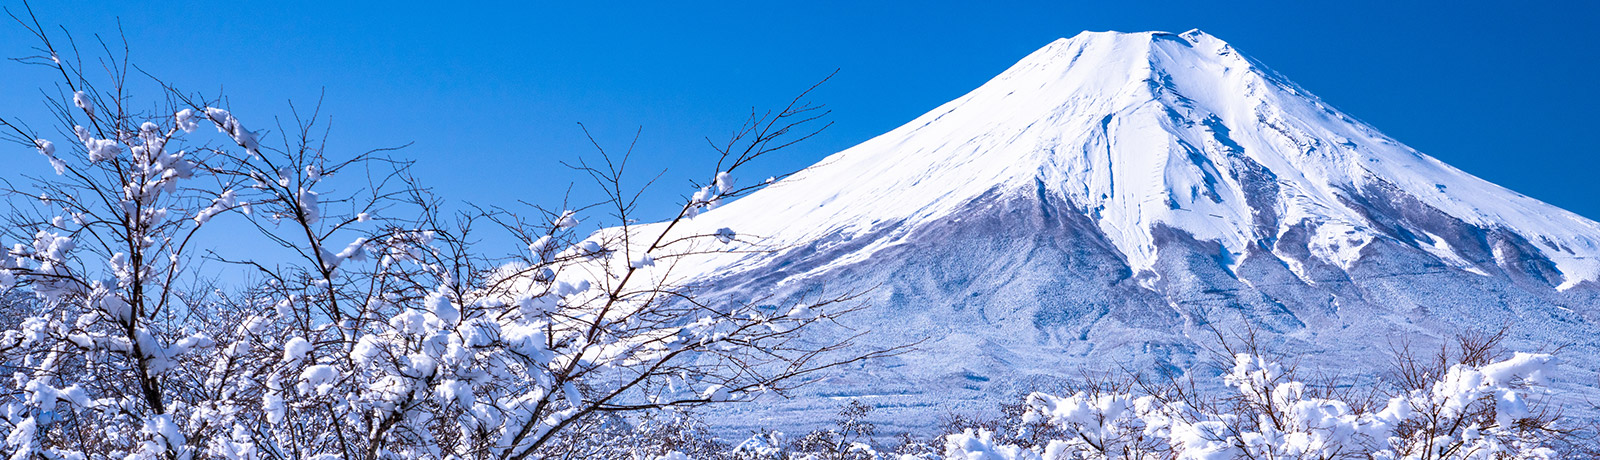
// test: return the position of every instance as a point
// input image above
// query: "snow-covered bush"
(1469, 407)
(378, 329)
(850, 439)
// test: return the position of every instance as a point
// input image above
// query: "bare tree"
(380, 328)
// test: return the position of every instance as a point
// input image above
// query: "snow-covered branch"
(363, 321)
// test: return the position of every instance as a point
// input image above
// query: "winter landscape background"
(1469, 83)
(1094, 216)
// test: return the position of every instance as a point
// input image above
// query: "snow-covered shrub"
(1468, 407)
(378, 328)
(850, 439)
(664, 432)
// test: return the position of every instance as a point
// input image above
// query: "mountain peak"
(1112, 195)
(1151, 130)
(1111, 63)
(1192, 37)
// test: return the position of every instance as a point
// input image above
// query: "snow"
(589, 247)
(1340, 243)
(1440, 248)
(644, 260)
(455, 392)
(185, 120)
(45, 147)
(716, 393)
(295, 350)
(570, 391)
(1138, 131)
(801, 313)
(310, 204)
(1532, 366)
(227, 200)
(101, 149)
(82, 100)
(674, 455)
(273, 405)
(438, 302)
(541, 248)
(168, 431)
(320, 378)
(366, 350)
(1281, 423)
(227, 124)
(409, 322)
(568, 219)
(980, 445)
(22, 437)
(356, 250)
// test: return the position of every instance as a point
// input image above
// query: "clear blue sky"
(491, 93)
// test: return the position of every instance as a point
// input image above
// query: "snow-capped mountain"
(1103, 202)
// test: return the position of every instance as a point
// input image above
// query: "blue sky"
(490, 94)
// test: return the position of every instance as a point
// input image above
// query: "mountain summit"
(1112, 198)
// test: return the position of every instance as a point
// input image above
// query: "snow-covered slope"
(1144, 129)
(1111, 194)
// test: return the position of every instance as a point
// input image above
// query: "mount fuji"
(1107, 202)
